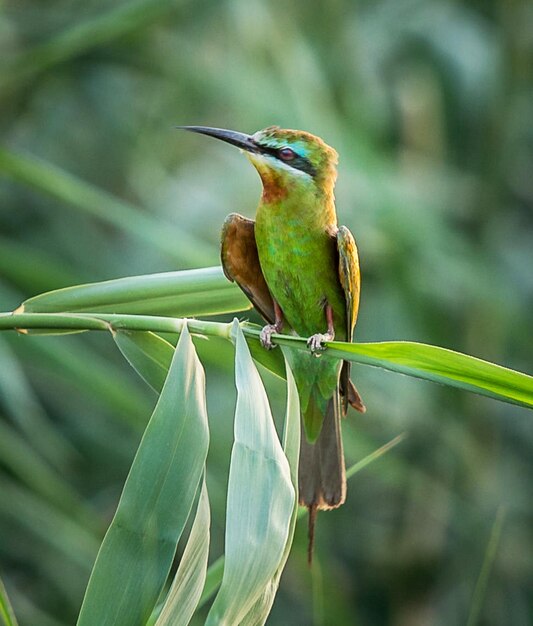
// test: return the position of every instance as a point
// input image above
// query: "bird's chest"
(299, 265)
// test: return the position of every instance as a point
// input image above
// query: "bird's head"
(285, 159)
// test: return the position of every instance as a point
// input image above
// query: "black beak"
(241, 140)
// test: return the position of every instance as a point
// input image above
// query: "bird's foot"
(316, 342)
(265, 336)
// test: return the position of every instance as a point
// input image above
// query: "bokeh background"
(430, 105)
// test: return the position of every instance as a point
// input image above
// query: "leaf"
(39, 519)
(260, 611)
(148, 354)
(271, 359)
(427, 362)
(190, 292)
(443, 366)
(22, 404)
(21, 460)
(212, 580)
(189, 581)
(488, 561)
(6, 610)
(136, 554)
(92, 200)
(261, 497)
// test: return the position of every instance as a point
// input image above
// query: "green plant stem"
(110, 322)
(418, 360)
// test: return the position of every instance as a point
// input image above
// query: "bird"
(301, 272)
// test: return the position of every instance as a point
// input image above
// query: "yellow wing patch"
(349, 276)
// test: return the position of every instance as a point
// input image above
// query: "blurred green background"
(430, 106)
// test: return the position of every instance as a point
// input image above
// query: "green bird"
(301, 272)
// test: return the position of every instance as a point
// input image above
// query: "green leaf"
(6, 610)
(87, 198)
(21, 403)
(37, 517)
(427, 362)
(488, 561)
(261, 497)
(136, 554)
(215, 571)
(189, 581)
(83, 36)
(442, 366)
(148, 354)
(20, 459)
(260, 611)
(212, 580)
(271, 359)
(190, 292)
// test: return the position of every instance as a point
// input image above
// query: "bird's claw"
(316, 342)
(265, 336)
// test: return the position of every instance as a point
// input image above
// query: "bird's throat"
(295, 203)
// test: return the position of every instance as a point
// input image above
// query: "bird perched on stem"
(301, 272)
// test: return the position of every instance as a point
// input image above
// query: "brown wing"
(240, 263)
(350, 279)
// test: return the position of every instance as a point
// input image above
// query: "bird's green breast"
(299, 261)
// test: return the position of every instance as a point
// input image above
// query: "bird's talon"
(316, 343)
(265, 337)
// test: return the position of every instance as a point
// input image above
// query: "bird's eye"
(287, 154)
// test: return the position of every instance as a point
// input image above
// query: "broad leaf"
(260, 611)
(148, 354)
(261, 498)
(190, 292)
(135, 557)
(189, 581)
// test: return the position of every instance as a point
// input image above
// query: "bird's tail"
(322, 475)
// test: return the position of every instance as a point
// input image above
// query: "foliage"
(429, 105)
(134, 560)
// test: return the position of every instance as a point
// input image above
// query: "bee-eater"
(301, 272)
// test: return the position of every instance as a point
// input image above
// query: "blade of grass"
(22, 405)
(212, 581)
(136, 554)
(482, 581)
(6, 610)
(443, 366)
(169, 290)
(260, 611)
(95, 31)
(261, 497)
(22, 461)
(148, 354)
(37, 516)
(78, 194)
(189, 581)
(373, 456)
(432, 363)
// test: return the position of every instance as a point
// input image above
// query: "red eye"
(287, 154)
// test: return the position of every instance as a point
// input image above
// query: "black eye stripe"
(298, 162)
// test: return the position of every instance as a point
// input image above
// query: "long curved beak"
(241, 140)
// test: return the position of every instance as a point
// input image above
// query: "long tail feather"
(322, 475)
